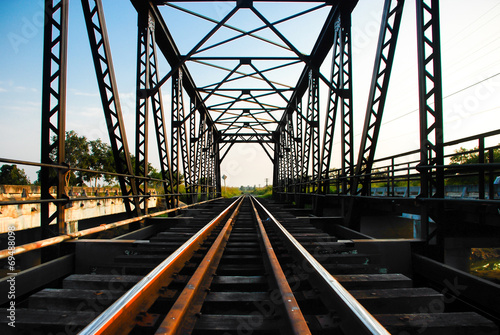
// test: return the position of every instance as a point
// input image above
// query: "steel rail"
(354, 318)
(120, 317)
(62, 238)
(296, 319)
(182, 308)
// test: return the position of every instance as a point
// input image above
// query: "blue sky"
(471, 54)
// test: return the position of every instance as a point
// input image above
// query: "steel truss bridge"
(270, 97)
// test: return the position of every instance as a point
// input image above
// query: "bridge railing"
(101, 195)
(474, 169)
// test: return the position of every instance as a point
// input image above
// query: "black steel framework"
(145, 54)
(388, 37)
(431, 109)
(270, 98)
(54, 111)
(101, 54)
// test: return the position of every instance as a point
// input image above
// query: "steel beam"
(169, 49)
(101, 54)
(294, 170)
(332, 105)
(386, 49)
(160, 127)
(192, 153)
(346, 108)
(54, 112)
(178, 132)
(299, 147)
(431, 104)
(144, 54)
(311, 136)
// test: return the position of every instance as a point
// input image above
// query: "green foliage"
(12, 175)
(76, 155)
(91, 155)
(97, 156)
(230, 192)
(261, 192)
(468, 156)
(465, 156)
(155, 174)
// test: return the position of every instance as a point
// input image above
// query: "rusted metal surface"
(120, 317)
(58, 239)
(179, 311)
(296, 319)
(354, 317)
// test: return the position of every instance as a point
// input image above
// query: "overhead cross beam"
(234, 104)
(171, 53)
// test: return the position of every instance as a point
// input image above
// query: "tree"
(465, 156)
(96, 156)
(155, 174)
(12, 175)
(99, 158)
(76, 155)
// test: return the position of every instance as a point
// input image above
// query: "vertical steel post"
(276, 166)
(298, 151)
(202, 160)
(193, 188)
(386, 49)
(145, 27)
(431, 105)
(491, 175)
(292, 154)
(481, 177)
(285, 151)
(210, 162)
(332, 106)
(160, 125)
(54, 112)
(176, 101)
(346, 108)
(217, 171)
(179, 135)
(311, 137)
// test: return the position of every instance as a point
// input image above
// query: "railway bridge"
(327, 253)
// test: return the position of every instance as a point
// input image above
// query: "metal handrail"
(61, 238)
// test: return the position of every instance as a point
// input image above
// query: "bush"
(230, 192)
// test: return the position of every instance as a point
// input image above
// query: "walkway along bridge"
(253, 101)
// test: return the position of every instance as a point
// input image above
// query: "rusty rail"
(61, 238)
(354, 318)
(120, 317)
(178, 314)
(296, 319)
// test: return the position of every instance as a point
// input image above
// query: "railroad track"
(232, 267)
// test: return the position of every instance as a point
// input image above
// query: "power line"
(446, 97)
